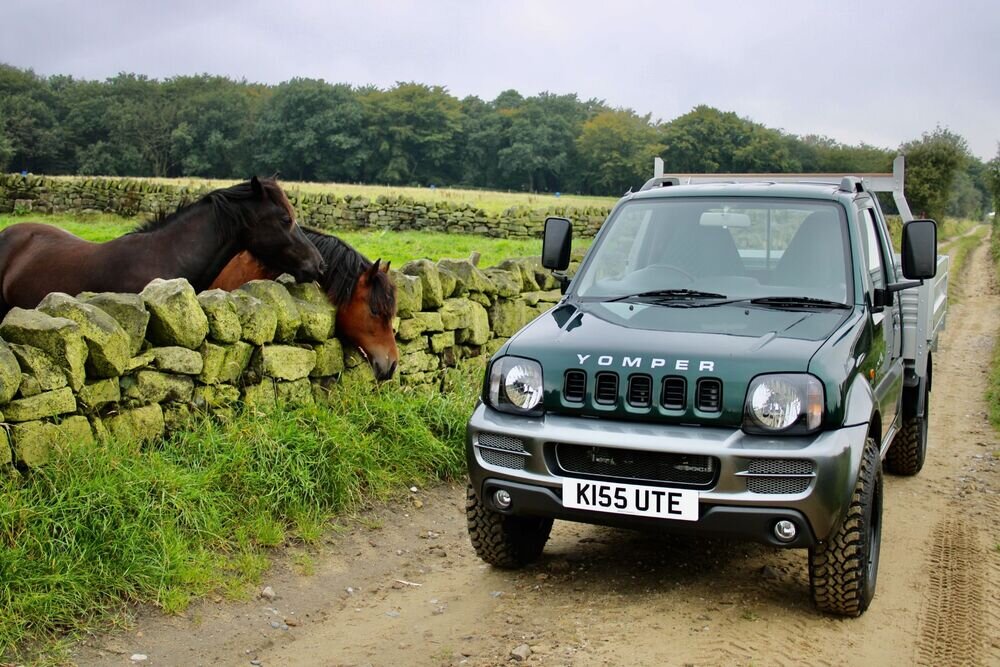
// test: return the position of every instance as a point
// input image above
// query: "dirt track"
(607, 597)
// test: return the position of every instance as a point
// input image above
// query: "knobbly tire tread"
(502, 540)
(906, 455)
(838, 567)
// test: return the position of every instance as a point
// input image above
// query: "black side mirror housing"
(556, 243)
(919, 252)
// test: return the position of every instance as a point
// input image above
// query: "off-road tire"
(843, 569)
(503, 540)
(909, 448)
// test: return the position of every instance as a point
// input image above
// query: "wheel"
(503, 540)
(843, 570)
(909, 448)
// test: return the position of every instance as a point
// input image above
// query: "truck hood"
(730, 343)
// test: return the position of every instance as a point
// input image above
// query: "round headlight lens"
(515, 385)
(791, 402)
(523, 385)
(775, 405)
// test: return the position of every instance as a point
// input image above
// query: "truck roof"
(828, 191)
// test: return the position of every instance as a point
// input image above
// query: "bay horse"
(361, 289)
(195, 243)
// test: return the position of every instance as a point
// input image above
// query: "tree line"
(417, 134)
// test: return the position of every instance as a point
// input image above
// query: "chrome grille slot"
(778, 485)
(575, 386)
(502, 450)
(606, 391)
(674, 394)
(640, 391)
(779, 476)
(709, 395)
(637, 465)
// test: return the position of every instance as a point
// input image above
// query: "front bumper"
(727, 506)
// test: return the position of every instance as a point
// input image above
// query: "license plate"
(634, 499)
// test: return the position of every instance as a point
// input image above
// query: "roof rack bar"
(872, 182)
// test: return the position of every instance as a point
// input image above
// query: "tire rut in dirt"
(951, 629)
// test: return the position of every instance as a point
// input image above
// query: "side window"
(873, 251)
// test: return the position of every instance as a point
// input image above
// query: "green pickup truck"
(737, 355)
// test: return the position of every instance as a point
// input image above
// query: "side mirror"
(556, 243)
(919, 256)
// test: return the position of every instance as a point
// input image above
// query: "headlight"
(785, 403)
(516, 385)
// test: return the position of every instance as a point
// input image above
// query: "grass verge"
(959, 250)
(993, 387)
(108, 525)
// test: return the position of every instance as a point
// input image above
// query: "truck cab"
(730, 358)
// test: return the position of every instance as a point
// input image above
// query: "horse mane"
(229, 205)
(345, 266)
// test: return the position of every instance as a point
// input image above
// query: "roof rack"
(891, 183)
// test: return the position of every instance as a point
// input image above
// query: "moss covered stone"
(176, 317)
(176, 416)
(277, 297)
(75, 430)
(456, 314)
(223, 320)
(258, 323)
(224, 363)
(260, 396)
(110, 348)
(40, 370)
(45, 404)
(415, 362)
(95, 395)
(525, 269)
(298, 392)
(507, 317)
(317, 321)
(283, 362)
(140, 361)
(409, 294)
(128, 310)
(508, 283)
(420, 323)
(440, 341)
(432, 293)
(148, 386)
(177, 359)
(329, 358)
(10, 373)
(138, 424)
(6, 453)
(470, 278)
(215, 396)
(33, 442)
(478, 331)
(449, 282)
(57, 336)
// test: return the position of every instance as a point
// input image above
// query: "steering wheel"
(671, 267)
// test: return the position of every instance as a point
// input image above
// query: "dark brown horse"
(194, 243)
(362, 291)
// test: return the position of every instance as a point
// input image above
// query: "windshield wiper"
(797, 302)
(670, 294)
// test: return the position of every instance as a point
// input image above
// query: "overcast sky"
(880, 72)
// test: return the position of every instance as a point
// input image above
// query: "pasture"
(397, 247)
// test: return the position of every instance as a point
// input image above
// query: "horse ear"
(372, 271)
(255, 185)
(385, 268)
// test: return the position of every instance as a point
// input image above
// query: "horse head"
(274, 238)
(365, 319)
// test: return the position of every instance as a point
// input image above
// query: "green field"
(397, 247)
(490, 201)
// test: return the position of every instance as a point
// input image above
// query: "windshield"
(725, 247)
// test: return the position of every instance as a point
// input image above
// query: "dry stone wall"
(77, 369)
(130, 197)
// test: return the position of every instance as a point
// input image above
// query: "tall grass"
(993, 387)
(108, 525)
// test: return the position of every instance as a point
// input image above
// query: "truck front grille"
(575, 386)
(709, 395)
(637, 465)
(501, 450)
(640, 391)
(606, 391)
(779, 476)
(674, 396)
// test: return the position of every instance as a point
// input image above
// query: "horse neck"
(199, 244)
